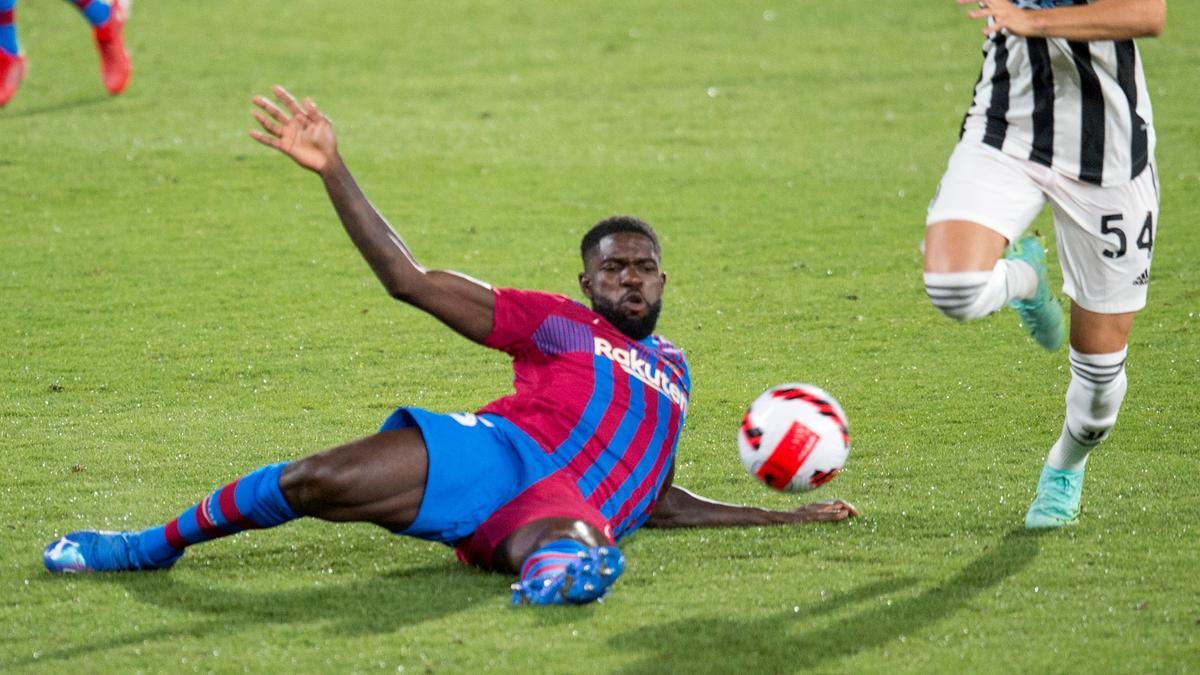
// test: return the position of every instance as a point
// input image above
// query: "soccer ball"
(794, 437)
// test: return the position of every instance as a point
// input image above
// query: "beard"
(635, 327)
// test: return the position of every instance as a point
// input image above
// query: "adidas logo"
(1143, 278)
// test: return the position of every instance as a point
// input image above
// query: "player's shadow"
(61, 106)
(731, 645)
(375, 604)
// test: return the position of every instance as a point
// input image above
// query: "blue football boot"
(1057, 502)
(1042, 314)
(584, 580)
(94, 551)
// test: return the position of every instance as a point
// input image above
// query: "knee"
(518, 546)
(312, 483)
(962, 296)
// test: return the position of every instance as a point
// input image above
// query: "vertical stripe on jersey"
(644, 497)
(997, 112)
(974, 92)
(602, 426)
(601, 400)
(635, 452)
(620, 496)
(607, 452)
(636, 509)
(1043, 102)
(641, 451)
(1091, 141)
(1127, 78)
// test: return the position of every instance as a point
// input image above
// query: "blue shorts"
(477, 463)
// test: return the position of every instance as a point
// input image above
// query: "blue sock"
(8, 27)
(551, 559)
(250, 502)
(96, 11)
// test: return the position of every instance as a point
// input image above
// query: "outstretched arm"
(681, 508)
(678, 507)
(1100, 20)
(307, 136)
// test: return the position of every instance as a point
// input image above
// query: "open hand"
(830, 511)
(305, 135)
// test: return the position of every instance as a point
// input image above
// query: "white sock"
(1098, 385)
(1021, 277)
(974, 295)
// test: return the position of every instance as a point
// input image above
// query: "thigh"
(1105, 241)
(985, 200)
(477, 463)
(378, 479)
(962, 246)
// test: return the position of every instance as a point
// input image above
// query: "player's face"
(623, 280)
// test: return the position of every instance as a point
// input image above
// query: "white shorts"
(1105, 235)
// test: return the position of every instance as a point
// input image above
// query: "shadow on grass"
(61, 106)
(378, 604)
(701, 645)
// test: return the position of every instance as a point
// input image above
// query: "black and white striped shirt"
(1080, 108)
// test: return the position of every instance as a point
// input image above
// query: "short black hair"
(617, 225)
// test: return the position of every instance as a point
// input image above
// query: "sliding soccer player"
(543, 483)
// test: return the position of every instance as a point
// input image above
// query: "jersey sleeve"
(517, 315)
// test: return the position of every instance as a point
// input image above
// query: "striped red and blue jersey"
(607, 409)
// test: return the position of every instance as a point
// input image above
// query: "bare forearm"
(681, 508)
(1101, 20)
(378, 243)
(717, 514)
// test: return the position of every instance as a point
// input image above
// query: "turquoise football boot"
(1042, 314)
(1057, 500)
(97, 551)
(584, 580)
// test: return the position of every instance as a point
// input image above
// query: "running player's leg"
(1105, 238)
(96, 12)
(1093, 399)
(379, 479)
(985, 201)
(12, 62)
(560, 561)
(1098, 384)
(107, 18)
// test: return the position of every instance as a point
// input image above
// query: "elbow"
(1155, 21)
(400, 282)
(398, 290)
(396, 287)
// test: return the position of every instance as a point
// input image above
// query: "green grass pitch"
(180, 306)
